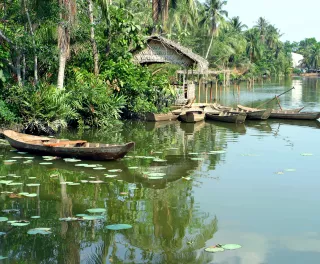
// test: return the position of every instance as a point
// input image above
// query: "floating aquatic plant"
(40, 231)
(118, 226)
(96, 210)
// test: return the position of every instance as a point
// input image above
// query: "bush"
(6, 115)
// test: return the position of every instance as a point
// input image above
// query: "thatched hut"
(162, 50)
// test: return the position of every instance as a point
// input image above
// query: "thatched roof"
(162, 50)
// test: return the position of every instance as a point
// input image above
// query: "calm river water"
(258, 187)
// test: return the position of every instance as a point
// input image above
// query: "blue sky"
(297, 20)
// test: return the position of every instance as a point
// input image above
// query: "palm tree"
(92, 39)
(254, 46)
(262, 24)
(237, 25)
(67, 19)
(213, 14)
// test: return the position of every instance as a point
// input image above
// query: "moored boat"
(66, 148)
(256, 114)
(192, 115)
(293, 114)
(228, 117)
(152, 117)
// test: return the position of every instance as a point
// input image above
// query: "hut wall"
(158, 52)
(191, 91)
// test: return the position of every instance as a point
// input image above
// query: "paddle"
(276, 97)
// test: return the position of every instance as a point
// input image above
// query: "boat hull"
(191, 117)
(151, 117)
(93, 151)
(295, 115)
(227, 117)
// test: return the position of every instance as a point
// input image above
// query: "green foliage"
(42, 105)
(94, 100)
(6, 115)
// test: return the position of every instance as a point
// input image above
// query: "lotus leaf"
(4, 182)
(28, 161)
(115, 170)
(33, 184)
(7, 211)
(99, 168)
(193, 153)
(133, 168)
(96, 181)
(35, 217)
(2, 257)
(118, 226)
(155, 177)
(159, 160)
(84, 181)
(156, 174)
(19, 223)
(31, 195)
(65, 182)
(217, 151)
(23, 193)
(39, 230)
(3, 219)
(81, 165)
(111, 176)
(81, 215)
(198, 159)
(32, 178)
(74, 184)
(90, 166)
(214, 249)
(22, 153)
(9, 161)
(45, 163)
(231, 246)
(92, 217)
(96, 210)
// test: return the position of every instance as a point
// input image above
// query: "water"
(245, 195)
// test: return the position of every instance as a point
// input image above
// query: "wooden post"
(216, 89)
(205, 87)
(199, 91)
(211, 91)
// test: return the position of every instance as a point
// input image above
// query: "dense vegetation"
(69, 61)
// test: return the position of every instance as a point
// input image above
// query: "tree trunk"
(155, 11)
(23, 68)
(18, 67)
(33, 42)
(92, 39)
(62, 66)
(209, 48)
(165, 14)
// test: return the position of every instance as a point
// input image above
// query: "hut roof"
(162, 50)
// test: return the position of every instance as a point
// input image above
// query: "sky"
(297, 20)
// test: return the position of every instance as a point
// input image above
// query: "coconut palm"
(254, 47)
(262, 25)
(213, 14)
(237, 25)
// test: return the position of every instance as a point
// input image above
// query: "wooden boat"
(253, 114)
(227, 117)
(274, 112)
(293, 114)
(192, 115)
(152, 117)
(66, 148)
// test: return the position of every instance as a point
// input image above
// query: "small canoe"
(292, 114)
(256, 114)
(66, 148)
(192, 116)
(227, 117)
(274, 113)
(152, 117)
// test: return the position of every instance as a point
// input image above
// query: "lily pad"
(32, 178)
(92, 217)
(157, 152)
(73, 184)
(118, 226)
(5, 192)
(5, 182)
(81, 215)
(3, 219)
(198, 159)
(65, 182)
(23, 193)
(2, 257)
(96, 210)
(96, 182)
(71, 160)
(84, 181)
(9, 161)
(35, 217)
(20, 223)
(33, 184)
(90, 166)
(99, 168)
(156, 174)
(81, 165)
(155, 177)
(115, 170)
(159, 160)
(217, 151)
(214, 249)
(186, 178)
(193, 153)
(111, 176)
(231, 246)
(28, 161)
(40, 231)
(8, 211)
(45, 163)
(22, 153)
(133, 168)
(31, 195)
